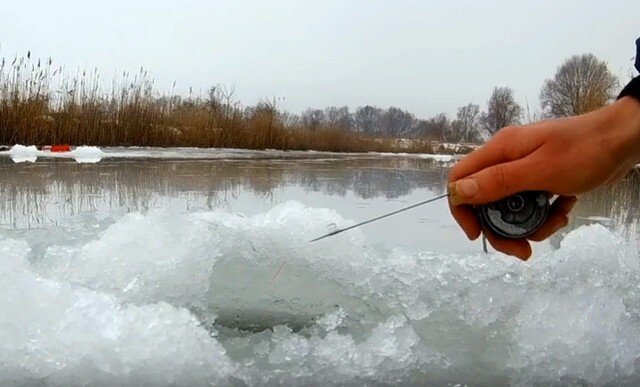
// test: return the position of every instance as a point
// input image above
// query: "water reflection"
(616, 206)
(46, 192)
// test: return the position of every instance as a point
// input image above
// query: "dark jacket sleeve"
(638, 55)
(633, 88)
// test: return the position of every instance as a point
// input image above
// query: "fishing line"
(332, 233)
(516, 216)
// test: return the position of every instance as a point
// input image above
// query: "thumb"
(492, 183)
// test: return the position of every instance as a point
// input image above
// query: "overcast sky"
(423, 56)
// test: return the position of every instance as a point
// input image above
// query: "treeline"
(396, 123)
(582, 83)
(43, 104)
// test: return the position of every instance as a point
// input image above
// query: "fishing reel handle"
(516, 216)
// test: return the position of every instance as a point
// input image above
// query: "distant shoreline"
(437, 149)
(88, 154)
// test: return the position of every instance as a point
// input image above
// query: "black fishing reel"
(516, 216)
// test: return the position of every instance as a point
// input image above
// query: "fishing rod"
(516, 216)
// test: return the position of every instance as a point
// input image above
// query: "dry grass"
(41, 104)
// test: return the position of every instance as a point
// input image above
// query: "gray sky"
(423, 56)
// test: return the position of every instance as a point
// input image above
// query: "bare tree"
(529, 116)
(502, 110)
(313, 118)
(367, 119)
(289, 120)
(467, 124)
(397, 122)
(220, 99)
(338, 117)
(437, 127)
(582, 83)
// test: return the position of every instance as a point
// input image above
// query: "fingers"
(467, 219)
(507, 145)
(495, 182)
(557, 219)
(519, 248)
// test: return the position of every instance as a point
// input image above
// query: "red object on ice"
(60, 148)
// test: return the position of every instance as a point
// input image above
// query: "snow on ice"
(166, 298)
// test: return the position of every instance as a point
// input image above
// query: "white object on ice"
(82, 154)
(87, 154)
(21, 153)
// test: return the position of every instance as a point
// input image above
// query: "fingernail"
(462, 190)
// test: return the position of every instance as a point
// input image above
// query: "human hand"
(566, 157)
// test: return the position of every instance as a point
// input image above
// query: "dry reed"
(42, 104)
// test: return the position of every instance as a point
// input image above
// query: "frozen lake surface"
(194, 267)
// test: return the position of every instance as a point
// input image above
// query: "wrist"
(623, 122)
